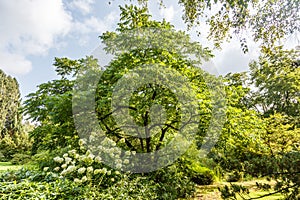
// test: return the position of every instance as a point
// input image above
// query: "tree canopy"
(10, 118)
(267, 21)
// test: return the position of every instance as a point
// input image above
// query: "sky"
(34, 32)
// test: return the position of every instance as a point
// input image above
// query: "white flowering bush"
(87, 168)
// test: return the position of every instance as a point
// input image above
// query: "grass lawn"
(4, 166)
(211, 192)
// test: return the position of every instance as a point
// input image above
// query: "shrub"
(20, 159)
(86, 169)
(173, 182)
(2, 157)
(198, 168)
(201, 175)
(233, 176)
(16, 144)
(60, 189)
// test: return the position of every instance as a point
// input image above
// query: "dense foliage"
(257, 113)
(13, 136)
(270, 21)
(275, 97)
(10, 119)
(51, 106)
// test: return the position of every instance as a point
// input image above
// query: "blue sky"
(33, 32)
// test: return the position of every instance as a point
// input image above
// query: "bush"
(233, 176)
(2, 158)
(201, 175)
(60, 189)
(172, 182)
(96, 180)
(167, 183)
(127, 188)
(16, 144)
(20, 159)
(87, 170)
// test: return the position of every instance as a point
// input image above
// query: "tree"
(51, 107)
(10, 118)
(275, 96)
(13, 138)
(145, 49)
(276, 77)
(269, 21)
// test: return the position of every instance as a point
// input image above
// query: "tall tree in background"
(276, 76)
(275, 96)
(10, 119)
(13, 137)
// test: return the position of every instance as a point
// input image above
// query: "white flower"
(81, 157)
(64, 166)
(46, 169)
(76, 156)
(90, 169)
(126, 161)
(127, 153)
(91, 156)
(54, 175)
(100, 148)
(64, 172)
(81, 142)
(122, 140)
(112, 155)
(88, 159)
(84, 179)
(72, 152)
(68, 160)
(104, 170)
(56, 169)
(81, 170)
(118, 161)
(97, 171)
(65, 155)
(98, 159)
(106, 141)
(133, 153)
(119, 166)
(108, 172)
(76, 180)
(88, 152)
(58, 159)
(117, 172)
(112, 179)
(71, 168)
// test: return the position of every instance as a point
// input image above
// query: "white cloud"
(84, 6)
(168, 13)
(83, 28)
(14, 63)
(29, 27)
(232, 59)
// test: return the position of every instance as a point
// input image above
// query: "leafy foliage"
(13, 134)
(275, 79)
(10, 118)
(51, 107)
(270, 20)
(276, 76)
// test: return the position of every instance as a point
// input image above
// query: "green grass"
(4, 166)
(211, 192)
(256, 193)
